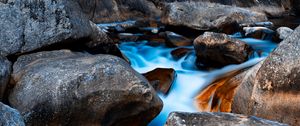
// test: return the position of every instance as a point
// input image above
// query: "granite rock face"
(272, 90)
(217, 119)
(207, 16)
(10, 116)
(28, 25)
(69, 88)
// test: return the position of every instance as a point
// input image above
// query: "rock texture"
(207, 16)
(100, 11)
(218, 50)
(217, 119)
(283, 32)
(68, 88)
(161, 79)
(258, 32)
(272, 8)
(28, 25)
(10, 116)
(5, 70)
(272, 91)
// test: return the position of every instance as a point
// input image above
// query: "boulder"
(272, 90)
(10, 116)
(101, 43)
(72, 88)
(283, 32)
(218, 50)
(100, 11)
(217, 119)
(258, 32)
(180, 52)
(28, 25)
(208, 16)
(274, 8)
(5, 70)
(176, 40)
(161, 79)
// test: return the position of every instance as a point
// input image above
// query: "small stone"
(161, 79)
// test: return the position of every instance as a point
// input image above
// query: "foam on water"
(190, 80)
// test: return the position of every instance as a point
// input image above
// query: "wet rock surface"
(161, 79)
(207, 16)
(10, 116)
(271, 91)
(217, 119)
(5, 70)
(258, 32)
(218, 50)
(179, 53)
(176, 40)
(72, 88)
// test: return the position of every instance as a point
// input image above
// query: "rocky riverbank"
(60, 62)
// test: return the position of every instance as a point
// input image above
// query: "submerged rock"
(10, 116)
(69, 88)
(5, 70)
(208, 16)
(218, 50)
(217, 119)
(161, 79)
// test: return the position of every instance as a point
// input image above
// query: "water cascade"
(145, 56)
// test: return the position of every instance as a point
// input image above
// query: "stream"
(145, 57)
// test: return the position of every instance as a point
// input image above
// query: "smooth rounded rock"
(72, 88)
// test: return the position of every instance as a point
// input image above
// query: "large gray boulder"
(218, 50)
(208, 16)
(10, 116)
(68, 88)
(273, 8)
(217, 119)
(271, 91)
(28, 25)
(5, 70)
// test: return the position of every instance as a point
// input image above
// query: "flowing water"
(145, 57)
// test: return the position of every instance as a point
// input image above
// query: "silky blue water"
(145, 57)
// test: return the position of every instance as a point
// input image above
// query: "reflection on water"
(145, 57)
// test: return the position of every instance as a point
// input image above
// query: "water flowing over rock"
(208, 16)
(217, 119)
(218, 50)
(100, 11)
(271, 89)
(5, 70)
(30, 25)
(71, 88)
(10, 116)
